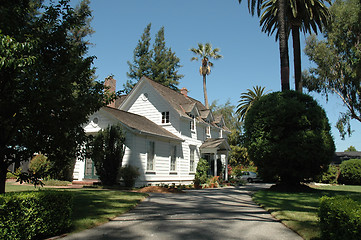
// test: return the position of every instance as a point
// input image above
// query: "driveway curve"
(225, 213)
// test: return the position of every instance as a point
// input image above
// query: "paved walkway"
(226, 213)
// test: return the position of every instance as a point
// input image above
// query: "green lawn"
(93, 207)
(299, 211)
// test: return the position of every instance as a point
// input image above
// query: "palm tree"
(205, 52)
(301, 15)
(283, 45)
(247, 99)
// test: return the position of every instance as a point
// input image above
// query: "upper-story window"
(192, 122)
(208, 130)
(165, 117)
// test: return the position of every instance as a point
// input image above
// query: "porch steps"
(86, 182)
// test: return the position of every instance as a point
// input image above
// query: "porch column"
(215, 164)
(226, 171)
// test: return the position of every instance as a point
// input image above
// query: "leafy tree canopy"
(46, 81)
(227, 111)
(338, 61)
(287, 135)
(159, 63)
(351, 149)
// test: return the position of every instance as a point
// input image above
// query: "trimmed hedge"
(340, 218)
(350, 172)
(35, 215)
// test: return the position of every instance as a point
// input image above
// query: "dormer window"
(165, 117)
(192, 122)
(208, 130)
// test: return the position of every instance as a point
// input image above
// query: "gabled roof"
(174, 98)
(180, 103)
(188, 107)
(140, 124)
(220, 144)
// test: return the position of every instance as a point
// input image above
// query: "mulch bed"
(158, 189)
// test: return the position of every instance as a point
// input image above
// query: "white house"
(167, 132)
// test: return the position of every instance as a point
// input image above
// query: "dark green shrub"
(350, 172)
(129, 175)
(107, 153)
(201, 176)
(40, 165)
(340, 218)
(287, 135)
(330, 176)
(35, 215)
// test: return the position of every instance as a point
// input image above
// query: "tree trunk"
(3, 171)
(283, 37)
(297, 57)
(205, 92)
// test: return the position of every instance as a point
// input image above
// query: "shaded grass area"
(299, 210)
(92, 207)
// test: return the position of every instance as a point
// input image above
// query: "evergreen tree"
(165, 63)
(107, 151)
(141, 60)
(158, 63)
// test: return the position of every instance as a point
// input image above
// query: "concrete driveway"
(227, 213)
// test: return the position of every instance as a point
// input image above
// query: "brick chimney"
(110, 82)
(184, 91)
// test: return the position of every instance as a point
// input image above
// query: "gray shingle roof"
(177, 100)
(120, 100)
(343, 156)
(140, 123)
(219, 143)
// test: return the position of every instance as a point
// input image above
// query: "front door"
(90, 171)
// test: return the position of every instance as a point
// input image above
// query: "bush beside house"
(201, 176)
(107, 151)
(129, 174)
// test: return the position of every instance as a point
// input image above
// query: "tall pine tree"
(141, 61)
(165, 63)
(159, 63)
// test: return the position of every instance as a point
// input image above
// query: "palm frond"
(247, 99)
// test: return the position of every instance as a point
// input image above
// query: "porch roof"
(215, 144)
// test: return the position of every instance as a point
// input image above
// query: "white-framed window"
(191, 159)
(165, 117)
(173, 158)
(192, 122)
(208, 130)
(150, 156)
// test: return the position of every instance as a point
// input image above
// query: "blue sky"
(250, 57)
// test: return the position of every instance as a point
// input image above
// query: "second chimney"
(110, 83)
(184, 91)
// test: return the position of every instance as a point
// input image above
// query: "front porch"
(215, 151)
